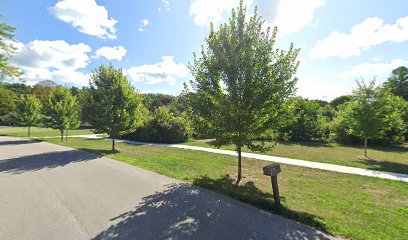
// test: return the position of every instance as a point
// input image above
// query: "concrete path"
(54, 192)
(289, 161)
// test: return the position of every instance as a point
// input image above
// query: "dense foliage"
(62, 110)
(241, 80)
(111, 104)
(162, 127)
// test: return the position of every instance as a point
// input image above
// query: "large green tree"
(398, 82)
(111, 104)
(372, 112)
(28, 112)
(8, 101)
(241, 80)
(303, 120)
(62, 110)
(7, 48)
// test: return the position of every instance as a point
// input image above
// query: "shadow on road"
(16, 142)
(186, 212)
(44, 161)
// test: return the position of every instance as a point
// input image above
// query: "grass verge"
(351, 206)
(382, 158)
(39, 132)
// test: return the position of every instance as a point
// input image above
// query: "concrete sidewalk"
(289, 161)
(54, 192)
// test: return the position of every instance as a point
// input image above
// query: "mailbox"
(273, 170)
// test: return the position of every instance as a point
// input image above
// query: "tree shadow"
(102, 152)
(50, 160)
(312, 144)
(249, 193)
(183, 211)
(17, 142)
(386, 166)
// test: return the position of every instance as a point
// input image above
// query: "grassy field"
(39, 132)
(351, 206)
(383, 158)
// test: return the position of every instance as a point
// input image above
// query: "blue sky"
(153, 41)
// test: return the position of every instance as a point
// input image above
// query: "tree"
(111, 104)
(62, 110)
(28, 112)
(303, 121)
(7, 49)
(371, 112)
(8, 101)
(240, 80)
(398, 82)
(340, 100)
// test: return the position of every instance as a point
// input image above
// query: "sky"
(154, 41)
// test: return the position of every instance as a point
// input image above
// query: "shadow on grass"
(102, 152)
(182, 211)
(386, 166)
(250, 194)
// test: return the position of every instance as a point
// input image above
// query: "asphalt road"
(54, 192)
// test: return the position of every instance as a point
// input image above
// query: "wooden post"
(275, 189)
(273, 170)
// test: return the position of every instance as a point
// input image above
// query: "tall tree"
(111, 104)
(241, 80)
(371, 112)
(7, 48)
(398, 82)
(8, 101)
(28, 112)
(62, 110)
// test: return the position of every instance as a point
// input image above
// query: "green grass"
(351, 206)
(383, 158)
(39, 132)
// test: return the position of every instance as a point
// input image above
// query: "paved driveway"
(53, 192)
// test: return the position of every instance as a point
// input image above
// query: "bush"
(303, 120)
(162, 127)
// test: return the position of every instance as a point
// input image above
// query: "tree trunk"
(113, 143)
(62, 135)
(66, 135)
(365, 147)
(239, 164)
(28, 131)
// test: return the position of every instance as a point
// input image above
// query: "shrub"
(162, 127)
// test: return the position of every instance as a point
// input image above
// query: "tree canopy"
(398, 82)
(62, 110)
(241, 80)
(28, 111)
(111, 104)
(7, 48)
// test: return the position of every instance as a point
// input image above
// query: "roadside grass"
(351, 206)
(39, 132)
(382, 158)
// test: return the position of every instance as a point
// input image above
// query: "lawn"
(383, 158)
(351, 206)
(39, 132)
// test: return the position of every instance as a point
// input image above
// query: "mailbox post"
(273, 170)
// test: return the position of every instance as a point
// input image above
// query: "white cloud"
(52, 60)
(165, 71)
(369, 70)
(87, 16)
(166, 5)
(142, 24)
(111, 53)
(363, 36)
(289, 15)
